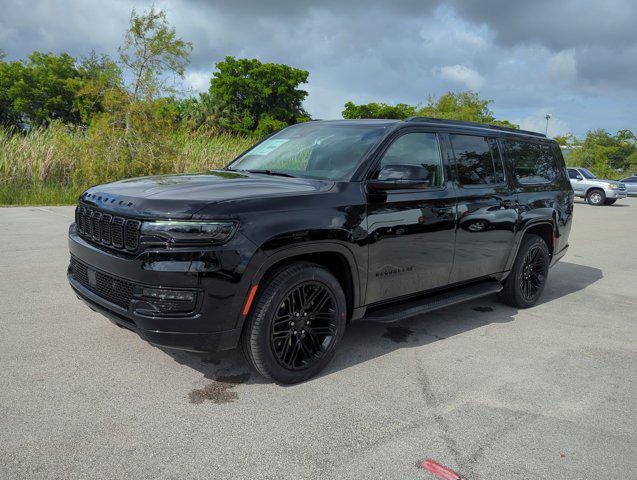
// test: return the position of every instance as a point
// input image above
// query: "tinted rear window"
(477, 160)
(533, 163)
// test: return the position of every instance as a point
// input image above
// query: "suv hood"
(182, 196)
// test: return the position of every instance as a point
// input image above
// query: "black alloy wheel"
(304, 325)
(533, 273)
(296, 323)
(524, 285)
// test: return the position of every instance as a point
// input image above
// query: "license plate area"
(92, 277)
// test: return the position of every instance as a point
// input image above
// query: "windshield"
(587, 173)
(314, 150)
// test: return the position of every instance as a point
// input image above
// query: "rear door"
(411, 232)
(487, 207)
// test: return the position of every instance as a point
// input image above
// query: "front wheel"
(596, 197)
(296, 324)
(524, 285)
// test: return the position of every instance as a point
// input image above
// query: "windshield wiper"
(268, 172)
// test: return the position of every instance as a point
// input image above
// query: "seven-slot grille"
(116, 232)
(113, 289)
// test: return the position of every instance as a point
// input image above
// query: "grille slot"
(131, 234)
(113, 289)
(117, 232)
(113, 231)
(105, 228)
(95, 220)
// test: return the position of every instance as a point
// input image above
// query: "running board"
(395, 313)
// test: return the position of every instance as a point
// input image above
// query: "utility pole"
(548, 117)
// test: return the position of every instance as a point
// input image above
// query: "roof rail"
(473, 124)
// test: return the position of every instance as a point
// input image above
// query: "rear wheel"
(524, 285)
(296, 324)
(610, 201)
(596, 197)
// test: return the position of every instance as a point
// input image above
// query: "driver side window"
(420, 150)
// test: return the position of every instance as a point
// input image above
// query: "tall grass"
(54, 165)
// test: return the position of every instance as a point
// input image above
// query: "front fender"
(265, 259)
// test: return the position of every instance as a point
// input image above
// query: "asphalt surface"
(492, 392)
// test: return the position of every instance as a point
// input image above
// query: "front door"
(411, 232)
(577, 180)
(487, 208)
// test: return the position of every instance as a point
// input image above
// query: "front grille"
(115, 232)
(113, 289)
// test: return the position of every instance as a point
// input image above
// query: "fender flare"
(261, 262)
(518, 240)
(593, 187)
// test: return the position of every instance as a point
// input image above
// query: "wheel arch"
(545, 229)
(335, 257)
(591, 188)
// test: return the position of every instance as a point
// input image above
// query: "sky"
(574, 59)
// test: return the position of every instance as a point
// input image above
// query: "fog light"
(164, 294)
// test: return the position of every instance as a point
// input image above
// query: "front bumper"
(194, 342)
(215, 321)
(617, 194)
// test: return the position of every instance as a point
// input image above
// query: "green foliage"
(567, 140)
(268, 125)
(53, 165)
(467, 106)
(102, 90)
(605, 154)
(378, 110)
(39, 90)
(244, 91)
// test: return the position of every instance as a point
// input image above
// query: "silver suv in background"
(596, 191)
(631, 184)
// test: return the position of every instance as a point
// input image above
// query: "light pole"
(548, 117)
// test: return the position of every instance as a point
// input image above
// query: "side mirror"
(579, 177)
(400, 177)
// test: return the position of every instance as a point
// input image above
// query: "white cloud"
(198, 81)
(563, 66)
(536, 122)
(460, 74)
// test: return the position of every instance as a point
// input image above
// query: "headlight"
(612, 186)
(186, 232)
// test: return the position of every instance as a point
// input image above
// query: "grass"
(52, 166)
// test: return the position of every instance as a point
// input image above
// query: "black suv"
(321, 224)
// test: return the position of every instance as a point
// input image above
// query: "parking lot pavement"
(490, 391)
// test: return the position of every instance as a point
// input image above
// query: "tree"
(467, 106)
(40, 90)
(567, 140)
(605, 154)
(103, 88)
(151, 50)
(246, 93)
(378, 110)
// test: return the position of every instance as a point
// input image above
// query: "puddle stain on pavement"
(398, 334)
(220, 390)
(483, 309)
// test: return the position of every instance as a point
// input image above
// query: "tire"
(596, 197)
(276, 341)
(610, 201)
(520, 289)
